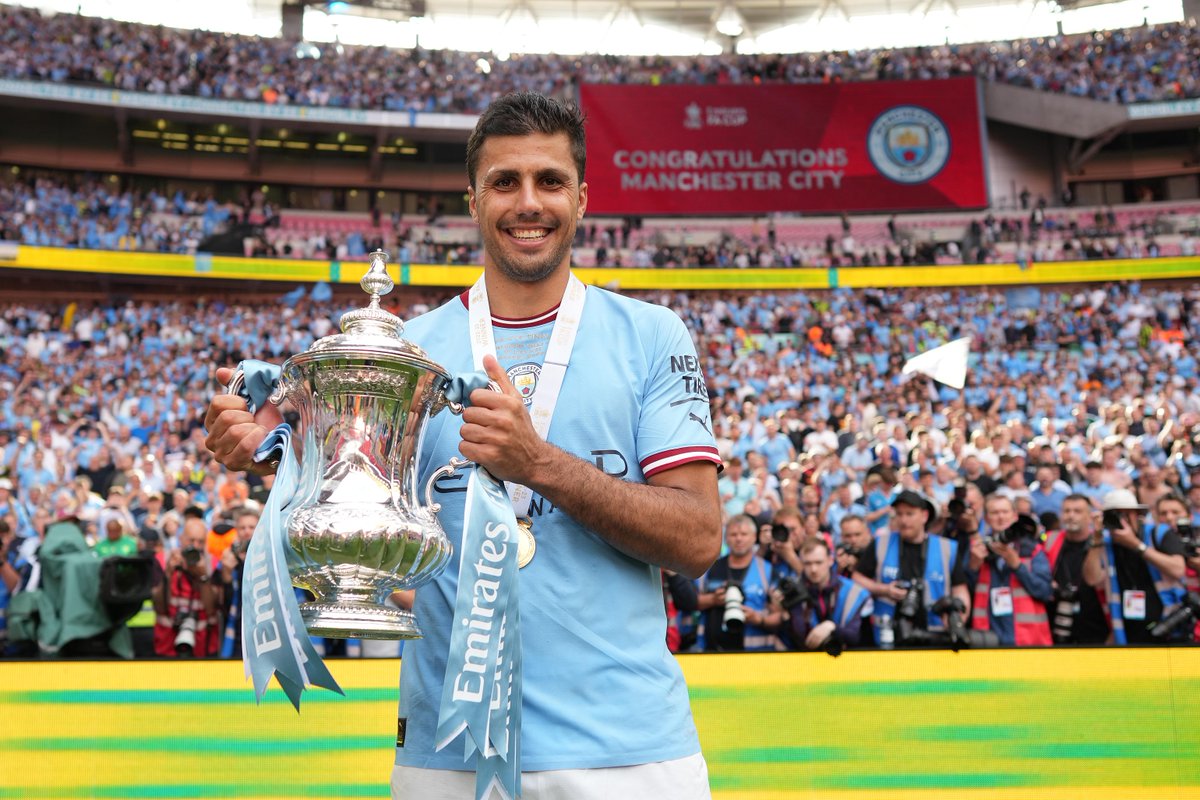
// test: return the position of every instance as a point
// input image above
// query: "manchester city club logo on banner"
(524, 378)
(908, 144)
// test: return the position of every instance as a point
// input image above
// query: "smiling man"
(623, 484)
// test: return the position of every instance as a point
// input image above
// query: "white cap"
(1121, 500)
(5, 483)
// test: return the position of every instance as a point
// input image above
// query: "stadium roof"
(643, 26)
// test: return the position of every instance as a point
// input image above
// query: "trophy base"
(359, 621)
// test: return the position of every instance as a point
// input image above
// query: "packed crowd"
(1076, 400)
(82, 211)
(1127, 66)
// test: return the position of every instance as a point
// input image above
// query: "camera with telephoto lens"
(733, 621)
(1191, 542)
(1183, 618)
(1024, 528)
(847, 550)
(780, 533)
(239, 549)
(191, 556)
(913, 601)
(1066, 606)
(794, 591)
(185, 634)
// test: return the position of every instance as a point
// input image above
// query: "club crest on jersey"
(524, 378)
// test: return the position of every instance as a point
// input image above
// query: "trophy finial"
(377, 281)
(374, 319)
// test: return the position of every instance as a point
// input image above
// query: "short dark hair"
(523, 113)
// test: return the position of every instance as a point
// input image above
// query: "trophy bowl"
(356, 527)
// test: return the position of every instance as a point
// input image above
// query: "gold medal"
(526, 544)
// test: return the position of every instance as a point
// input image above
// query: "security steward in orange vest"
(1011, 577)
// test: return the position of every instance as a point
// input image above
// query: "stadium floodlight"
(729, 21)
(304, 50)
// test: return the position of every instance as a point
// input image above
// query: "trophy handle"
(454, 465)
(236, 382)
(456, 408)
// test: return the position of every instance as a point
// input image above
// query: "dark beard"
(539, 271)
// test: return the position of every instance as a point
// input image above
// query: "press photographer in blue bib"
(622, 482)
(1139, 564)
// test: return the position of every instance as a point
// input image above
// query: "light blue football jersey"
(601, 689)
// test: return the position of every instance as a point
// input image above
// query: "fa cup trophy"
(356, 527)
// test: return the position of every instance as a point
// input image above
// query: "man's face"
(1076, 517)
(1000, 514)
(1171, 512)
(740, 538)
(817, 564)
(855, 534)
(527, 200)
(195, 534)
(246, 524)
(909, 522)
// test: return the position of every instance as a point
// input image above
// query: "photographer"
(185, 599)
(737, 617)
(230, 571)
(1172, 512)
(1128, 566)
(823, 610)
(1012, 578)
(783, 537)
(910, 556)
(1078, 614)
(856, 539)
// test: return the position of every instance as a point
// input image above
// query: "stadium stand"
(1144, 64)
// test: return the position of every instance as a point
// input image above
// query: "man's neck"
(518, 299)
(1077, 536)
(739, 562)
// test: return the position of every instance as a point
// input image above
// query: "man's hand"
(1125, 536)
(819, 634)
(894, 592)
(234, 433)
(846, 562)
(497, 432)
(1007, 552)
(978, 553)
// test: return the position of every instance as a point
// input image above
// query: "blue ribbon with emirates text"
(274, 640)
(481, 693)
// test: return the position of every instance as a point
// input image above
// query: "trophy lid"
(371, 332)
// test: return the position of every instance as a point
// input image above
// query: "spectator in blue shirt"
(1048, 492)
(736, 489)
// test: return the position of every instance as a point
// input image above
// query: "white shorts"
(680, 779)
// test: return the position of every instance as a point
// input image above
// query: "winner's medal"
(526, 544)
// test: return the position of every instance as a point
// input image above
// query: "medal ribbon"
(481, 695)
(554, 365)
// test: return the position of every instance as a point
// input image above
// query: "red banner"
(887, 146)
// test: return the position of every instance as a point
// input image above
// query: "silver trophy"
(356, 527)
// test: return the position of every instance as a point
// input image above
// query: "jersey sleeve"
(674, 427)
